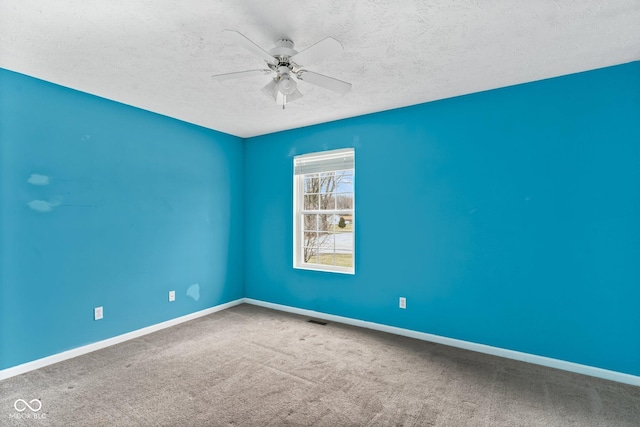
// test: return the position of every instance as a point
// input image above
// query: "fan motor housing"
(284, 48)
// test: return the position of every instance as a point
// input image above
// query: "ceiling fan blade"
(240, 74)
(324, 81)
(319, 51)
(241, 40)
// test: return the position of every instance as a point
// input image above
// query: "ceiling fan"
(286, 63)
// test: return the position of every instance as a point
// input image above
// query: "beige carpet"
(249, 366)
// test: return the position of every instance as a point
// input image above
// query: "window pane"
(311, 222)
(327, 182)
(344, 224)
(333, 220)
(344, 201)
(311, 201)
(337, 223)
(326, 250)
(326, 242)
(344, 241)
(310, 239)
(344, 259)
(324, 222)
(311, 184)
(327, 201)
(310, 255)
(344, 181)
(327, 259)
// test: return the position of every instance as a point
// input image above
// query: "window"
(324, 216)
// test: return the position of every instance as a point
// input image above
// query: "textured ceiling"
(159, 54)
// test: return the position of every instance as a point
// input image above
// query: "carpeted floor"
(250, 366)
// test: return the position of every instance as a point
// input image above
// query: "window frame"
(299, 212)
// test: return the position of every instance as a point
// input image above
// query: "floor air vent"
(317, 322)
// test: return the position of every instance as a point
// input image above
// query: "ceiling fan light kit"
(284, 61)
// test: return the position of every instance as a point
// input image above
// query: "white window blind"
(327, 161)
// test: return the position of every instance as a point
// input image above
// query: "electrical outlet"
(172, 296)
(403, 302)
(98, 313)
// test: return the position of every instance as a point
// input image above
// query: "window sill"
(326, 268)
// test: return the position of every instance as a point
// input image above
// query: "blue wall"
(509, 218)
(122, 206)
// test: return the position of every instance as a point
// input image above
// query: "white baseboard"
(79, 351)
(481, 348)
